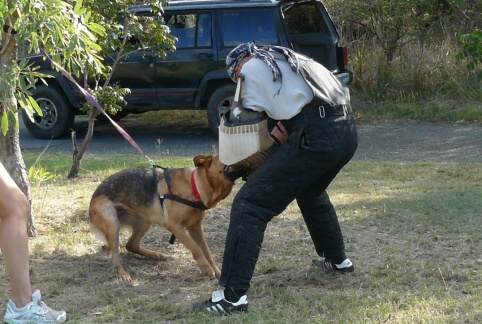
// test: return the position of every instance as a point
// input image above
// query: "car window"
(248, 26)
(191, 30)
(204, 31)
(309, 33)
(304, 19)
(183, 27)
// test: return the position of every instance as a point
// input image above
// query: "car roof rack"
(207, 4)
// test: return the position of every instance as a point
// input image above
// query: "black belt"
(313, 111)
(322, 111)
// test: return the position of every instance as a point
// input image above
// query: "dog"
(176, 199)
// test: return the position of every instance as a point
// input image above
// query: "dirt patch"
(391, 142)
(419, 142)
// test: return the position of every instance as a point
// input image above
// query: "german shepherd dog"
(173, 198)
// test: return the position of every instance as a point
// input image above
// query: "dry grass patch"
(412, 230)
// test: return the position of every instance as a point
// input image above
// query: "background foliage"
(66, 33)
(411, 51)
(126, 33)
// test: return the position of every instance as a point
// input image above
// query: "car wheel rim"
(50, 114)
(224, 105)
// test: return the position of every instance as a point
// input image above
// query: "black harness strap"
(193, 204)
(197, 205)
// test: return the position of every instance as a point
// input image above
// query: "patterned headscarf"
(261, 52)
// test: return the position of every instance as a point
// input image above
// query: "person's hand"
(279, 133)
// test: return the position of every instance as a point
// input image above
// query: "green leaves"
(64, 32)
(78, 9)
(110, 98)
(9, 118)
(39, 174)
(73, 34)
(471, 49)
(98, 29)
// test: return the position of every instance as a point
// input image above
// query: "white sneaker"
(219, 305)
(345, 266)
(34, 312)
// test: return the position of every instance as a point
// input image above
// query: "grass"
(423, 111)
(412, 230)
(435, 111)
(423, 82)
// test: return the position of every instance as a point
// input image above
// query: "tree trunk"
(77, 155)
(12, 159)
(10, 153)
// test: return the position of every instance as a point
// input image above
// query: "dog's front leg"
(197, 235)
(197, 253)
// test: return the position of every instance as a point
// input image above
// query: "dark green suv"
(194, 76)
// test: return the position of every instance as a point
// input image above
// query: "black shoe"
(219, 305)
(345, 266)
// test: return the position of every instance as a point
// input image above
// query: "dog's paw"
(124, 276)
(217, 273)
(157, 256)
(208, 272)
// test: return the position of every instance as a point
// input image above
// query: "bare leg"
(14, 238)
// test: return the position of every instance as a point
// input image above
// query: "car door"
(179, 74)
(311, 31)
(137, 72)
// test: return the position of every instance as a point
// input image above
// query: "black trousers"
(300, 169)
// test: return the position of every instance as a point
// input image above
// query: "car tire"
(219, 102)
(58, 114)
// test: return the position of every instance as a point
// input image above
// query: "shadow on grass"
(415, 249)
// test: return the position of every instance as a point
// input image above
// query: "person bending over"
(322, 138)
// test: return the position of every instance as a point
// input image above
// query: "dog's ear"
(201, 159)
